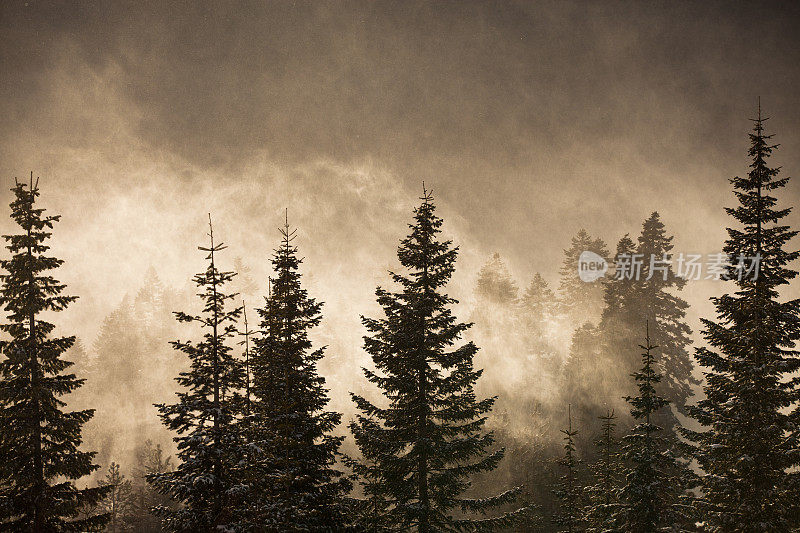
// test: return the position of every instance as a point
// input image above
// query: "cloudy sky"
(529, 121)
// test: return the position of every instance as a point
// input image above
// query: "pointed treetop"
(213, 248)
(427, 194)
(288, 235)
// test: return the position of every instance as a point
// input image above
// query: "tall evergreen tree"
(569, 491)
(650, 499)
(749, 448)
(538, 299)
(667, 312)
(606, 471)
(144, 499)
(39, 441)
(580, 302)
(118, 503)
(294, 483)
(423, 447)
(205, 415)
(495, 284)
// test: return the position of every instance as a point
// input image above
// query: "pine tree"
(244, 283)
(247, 366)
(205, 415)
(39, 442)
(749, 446)
(667, 312)
(295, 485)
(118, 503)
(650, 499)
(495, 284)
(538, 299)
(581, 302)
(606, 471)
(149, 460)
(600, 362)
(569, 491)
(421, 450)
(618, 332)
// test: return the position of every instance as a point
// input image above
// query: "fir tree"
(667, 312)
(421, 450)
(650, 499)
(580, 302)
(205, 416)
(538, 299)
(247, 366)
(39, 441)
(598, 368)
(569, 491)
(606, 471)
(243, 283)
(118, 503)
(149, 460)
(294, 483)
(618, 289)
(495, 284)
(749, 446)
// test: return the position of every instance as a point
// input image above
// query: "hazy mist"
(528, 121)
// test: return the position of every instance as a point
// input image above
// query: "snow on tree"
(39, 441)
(294, 484)
(421, 449)
(748, 449)
(651, 496)
(606, 473)
(568, 491)
(206, 413)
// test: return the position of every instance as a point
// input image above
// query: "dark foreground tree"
(424, 445)
(651, 497)
(606, 472)
(205, 416)
(569, 491)
(294, 484)
(39, 441)
(749, 449)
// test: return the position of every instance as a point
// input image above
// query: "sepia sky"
(528, 119)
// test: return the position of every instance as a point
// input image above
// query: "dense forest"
(583, 406)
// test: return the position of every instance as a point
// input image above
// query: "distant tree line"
(258, 448)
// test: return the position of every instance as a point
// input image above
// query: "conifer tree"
(606, 472)
(495, 284)
(750, 443)
(580, 302)
(569, 491)
(39, 441)
(667, 313)
(247, 366)
(422, 448)
(294, 482)
(150, 460)
(538, 299)
(650, 498)
(206, 413)
(118, 503)
(599, 365)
